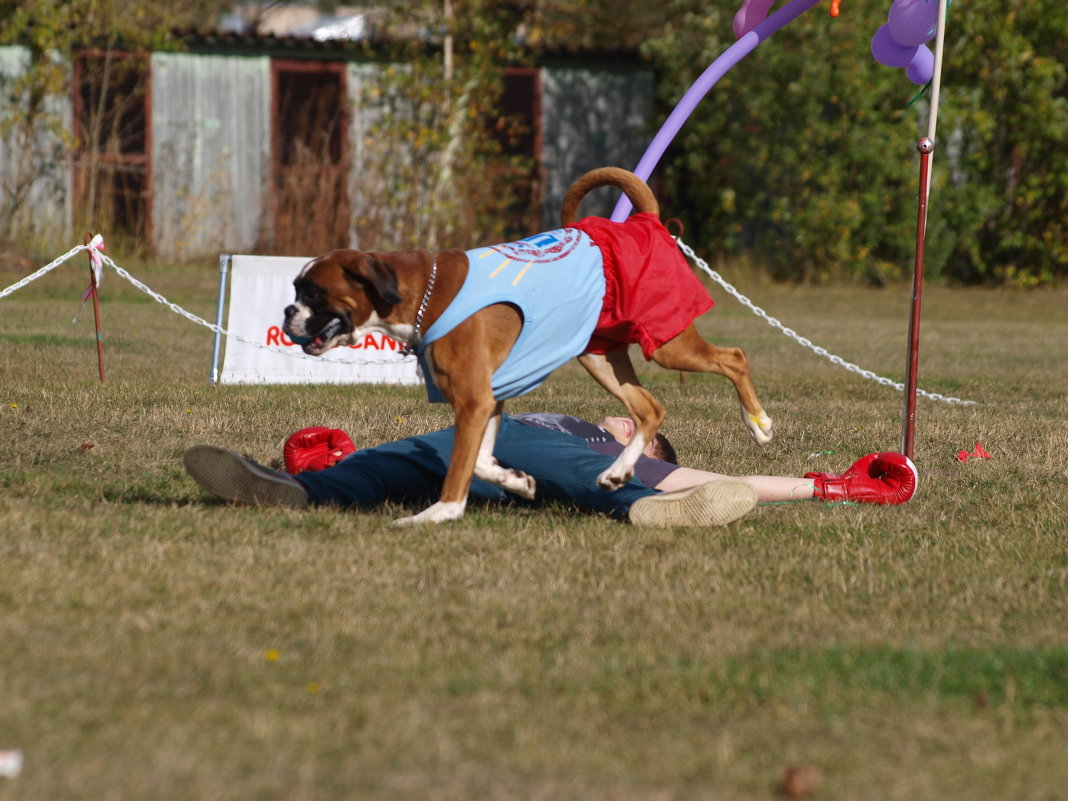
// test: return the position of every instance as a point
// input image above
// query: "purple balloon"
(704, 83)
(750, 15)
(921, 69)
(888, 52)
(913, 22)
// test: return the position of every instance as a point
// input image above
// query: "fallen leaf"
(799, 781)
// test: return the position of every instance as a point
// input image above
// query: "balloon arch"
(900, 43)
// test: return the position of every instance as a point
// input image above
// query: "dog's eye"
(307, 290)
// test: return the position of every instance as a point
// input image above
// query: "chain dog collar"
(417, 331)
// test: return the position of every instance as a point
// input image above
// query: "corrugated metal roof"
(265, 43)
(373, 44)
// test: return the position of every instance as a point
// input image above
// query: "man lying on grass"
(563, 454)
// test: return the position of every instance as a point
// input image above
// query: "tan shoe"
(239, 480)
(716, 503)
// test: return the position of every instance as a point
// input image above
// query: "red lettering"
(276, 336)
(376, 342)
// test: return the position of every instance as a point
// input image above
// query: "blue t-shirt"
(555, 279)
(648, 471)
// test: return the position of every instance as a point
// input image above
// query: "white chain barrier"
(807, 343)
(97, 244)
(174, 307)
(94, 248)
(29, 279)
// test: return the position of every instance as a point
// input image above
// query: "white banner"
(260, 288)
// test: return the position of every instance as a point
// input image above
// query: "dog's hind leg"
(615, 373)
(689, 351)
(489, 469)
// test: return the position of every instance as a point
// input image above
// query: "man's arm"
(684, 477)
(769, 488)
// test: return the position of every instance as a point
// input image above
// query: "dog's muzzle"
(315, 343)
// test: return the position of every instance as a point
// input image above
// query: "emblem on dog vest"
(547, 248)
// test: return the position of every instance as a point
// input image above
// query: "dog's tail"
(633, 187)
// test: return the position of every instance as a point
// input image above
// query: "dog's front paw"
(521, 484)
(614, 477)
(759, 425)
(439, 512)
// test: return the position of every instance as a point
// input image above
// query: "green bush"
(804, 155)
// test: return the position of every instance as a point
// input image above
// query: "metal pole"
(925, 147)
(99, 334)
(908, 427)
(224, 266)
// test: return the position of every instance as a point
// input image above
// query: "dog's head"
(339, 293)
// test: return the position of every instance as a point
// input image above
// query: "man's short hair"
(663, 449)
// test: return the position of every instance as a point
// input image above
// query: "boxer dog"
(492, 323)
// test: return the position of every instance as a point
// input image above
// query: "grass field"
(155, 643)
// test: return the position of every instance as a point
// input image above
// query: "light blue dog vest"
(555, 279)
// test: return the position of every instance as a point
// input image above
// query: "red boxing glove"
(316, 448)
(889, 478)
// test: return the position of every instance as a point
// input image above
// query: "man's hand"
(316, 448)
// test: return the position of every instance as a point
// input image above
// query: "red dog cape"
(651, 293)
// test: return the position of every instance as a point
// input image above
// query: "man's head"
(622, 428)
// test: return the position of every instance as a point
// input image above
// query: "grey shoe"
(713, 504)
(241, 480)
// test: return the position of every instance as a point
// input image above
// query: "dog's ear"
(377, 276)
(384, 279)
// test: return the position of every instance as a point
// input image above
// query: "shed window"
(111, 178)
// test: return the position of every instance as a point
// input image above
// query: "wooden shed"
(195, 147)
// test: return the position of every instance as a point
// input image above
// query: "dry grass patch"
(157, 643)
